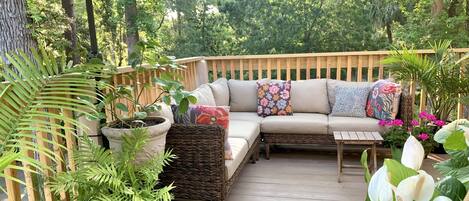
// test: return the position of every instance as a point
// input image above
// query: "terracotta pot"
(156, 142)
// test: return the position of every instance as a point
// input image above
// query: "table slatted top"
(353, 137)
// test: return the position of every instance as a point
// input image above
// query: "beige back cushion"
(204, 95)
(332, 84)
(310, 96)
(221, 92)
(243, 96)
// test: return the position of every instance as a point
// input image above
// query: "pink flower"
(382, 122)
(397, 122)
(273, 89)
(423, 115)
(423, 136)
(431, 117)
(414, 122)
(264, 102)
(439, 123)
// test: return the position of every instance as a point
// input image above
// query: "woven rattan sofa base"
(199, 172)
(286, 138)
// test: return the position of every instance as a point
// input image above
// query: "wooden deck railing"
(349, 66)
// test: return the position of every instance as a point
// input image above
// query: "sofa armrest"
(198, 172)
(406, 106)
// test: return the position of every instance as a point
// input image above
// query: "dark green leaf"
(397, 171)
(452, 188)
(122, 107)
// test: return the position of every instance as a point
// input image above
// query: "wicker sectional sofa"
(200, 171)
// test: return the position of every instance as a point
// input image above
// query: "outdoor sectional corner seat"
(200, 171)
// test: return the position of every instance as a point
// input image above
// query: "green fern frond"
(34, 97)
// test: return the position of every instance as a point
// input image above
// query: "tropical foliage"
(439, 74)
(40, 91)
(105, 175)
(405, 180)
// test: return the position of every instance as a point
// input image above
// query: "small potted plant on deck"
(138, 113)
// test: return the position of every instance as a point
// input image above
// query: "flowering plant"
(404, 180)
(422, 129)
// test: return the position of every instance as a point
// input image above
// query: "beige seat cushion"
(298, 123)
(245, 116)
(247, 130)
(239, 147)
(353, 124)
(221, 92)
(310, 96)
(332, 84)
(204, 95)
(243, 96)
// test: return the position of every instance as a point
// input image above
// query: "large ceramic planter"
(156, 142)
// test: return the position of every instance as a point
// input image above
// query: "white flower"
(442, 198)
(379, 188)
(419, 188)
(412, 153)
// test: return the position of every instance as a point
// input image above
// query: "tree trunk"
(71, 33)
(132, 28)
(94, 53)
(389, 32)
(453, 5)
(437, 7)
(14, 35)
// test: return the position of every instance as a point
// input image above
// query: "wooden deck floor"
(302, 174)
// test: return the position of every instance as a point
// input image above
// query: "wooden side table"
(355, 138)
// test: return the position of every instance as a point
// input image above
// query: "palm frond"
(34, 98)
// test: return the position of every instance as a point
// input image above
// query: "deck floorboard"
(303, 174)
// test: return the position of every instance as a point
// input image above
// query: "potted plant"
(423, 129)
(440, 74)
(137, 114)
(105, 175)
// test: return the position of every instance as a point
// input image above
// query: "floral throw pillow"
(273, 98)
(383, 101)
(207, 115)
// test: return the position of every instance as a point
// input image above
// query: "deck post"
(201, 72)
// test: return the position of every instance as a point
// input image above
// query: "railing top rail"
(127, 69)
(364, 53)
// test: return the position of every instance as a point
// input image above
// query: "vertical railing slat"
(259, 69)
(214, 70)
(223, 68)
(241, 70)
(279, 69)
(349, 68)
(12, 187)
(328, 68)
(359, 69)
(250, 70)
(269, 68)
(308, 67)
(298, 69)
(318, 67)
(370, 69)
(339, 69)
(288, 69)
(45, 161)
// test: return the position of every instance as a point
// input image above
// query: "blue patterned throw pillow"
(350, 101)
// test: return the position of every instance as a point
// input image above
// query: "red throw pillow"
(207, 115)
(273, 98)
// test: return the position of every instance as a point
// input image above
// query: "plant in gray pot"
(139, 113)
